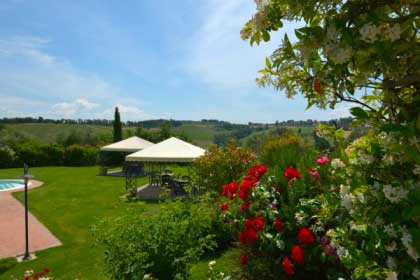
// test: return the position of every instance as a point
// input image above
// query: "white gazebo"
(172, 150)
(129, 145)
(169, 150)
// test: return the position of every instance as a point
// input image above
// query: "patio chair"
(166, 180)
(155, 180)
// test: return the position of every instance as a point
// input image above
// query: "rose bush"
(275, 219)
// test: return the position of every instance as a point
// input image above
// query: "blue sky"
(152, 58)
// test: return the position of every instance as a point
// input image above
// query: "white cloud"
(76, 109)
(127, 113)
(29, 72)
(217, 54)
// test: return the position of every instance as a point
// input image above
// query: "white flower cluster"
(369, 33)
(148, 277)
(212, 264)
(337, 163)
(261, 4)
(406, 240)
(338, 55)
(390, 230)
(392, 275)
(416, 170)
(347, 198)
(394, 194)
(300, 217)
(416, 273)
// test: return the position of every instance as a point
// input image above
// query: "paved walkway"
(12, 227)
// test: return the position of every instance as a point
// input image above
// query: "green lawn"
(71, 200)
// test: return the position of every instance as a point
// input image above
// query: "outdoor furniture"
(166, 179)
(155, 180)
(176, 188)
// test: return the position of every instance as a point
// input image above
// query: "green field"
(69, 203)
(202, 134)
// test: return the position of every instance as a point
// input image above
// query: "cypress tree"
(117, 131)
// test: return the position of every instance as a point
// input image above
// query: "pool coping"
(16, 188)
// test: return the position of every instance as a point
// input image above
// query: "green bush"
(222, 164)
(163, 245)
(7, 156)
(31, 153)
(286, 150)
(76, 155)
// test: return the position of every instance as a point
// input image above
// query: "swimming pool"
(6, 185)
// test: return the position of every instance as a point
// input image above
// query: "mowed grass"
(68, 204)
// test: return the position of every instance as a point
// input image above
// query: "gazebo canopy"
(132, 144)
(170, 150)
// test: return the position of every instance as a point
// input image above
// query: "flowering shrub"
(220, 165)
(275, 220)
(364, 53)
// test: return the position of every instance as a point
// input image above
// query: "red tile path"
(12, 227)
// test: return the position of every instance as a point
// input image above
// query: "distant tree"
(165, 130)
(117, 126)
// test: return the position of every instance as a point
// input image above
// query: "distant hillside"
(98, 132)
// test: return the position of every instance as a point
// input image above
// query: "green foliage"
(222, 164)
(6, 264)
(7, 156)
(165, 130)
(163, 245)
(80, 156)
(286, 150)
(37, 154)
(117, 126)
(367, 54)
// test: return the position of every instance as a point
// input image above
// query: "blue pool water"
(6, 185)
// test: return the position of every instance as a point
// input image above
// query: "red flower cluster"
(314, 173)
(38, 275)
(252, 227)
(230, 189)
(305, 236)
(292, 173)
(254, 175)
(297, 254)
(287, 266)
(278, 224)
(224, 207)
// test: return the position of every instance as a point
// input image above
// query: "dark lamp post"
(26, 178)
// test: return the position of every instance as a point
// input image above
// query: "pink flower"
(323, 160)
(314, 173)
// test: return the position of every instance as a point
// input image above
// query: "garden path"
(12, 227)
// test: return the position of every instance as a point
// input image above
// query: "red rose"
(257, 171)
(278, 224)
(46, 270)
(258, 223)
(225, 191)
(306, 236)
(243, 237)
(245, 205)
(243, 259)
(291, 173)
(287, 266)
(251, 235)
(297, 254)
(224, 207)
(241, 195)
